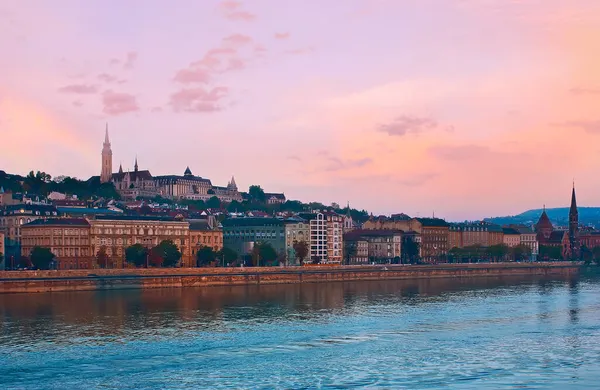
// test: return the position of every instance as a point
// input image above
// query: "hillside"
(558, 216)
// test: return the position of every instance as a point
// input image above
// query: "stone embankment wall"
(73, 280)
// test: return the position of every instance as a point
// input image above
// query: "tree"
(235, 207)
(136, 254)
(102, 258)
(498, 252)
(257, 194)
(268, 255)
(169, 252)
(350, 250)
(227, 255)
(455, 255)
(521, 252)
(205, 256)
(548, 252)
(410, 251)
(213, 203)
(41, 257)
(1, 257)
(300, 250)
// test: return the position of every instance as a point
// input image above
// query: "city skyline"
(492, 112)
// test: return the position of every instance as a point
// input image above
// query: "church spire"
(120, 168)
(106, 140)
(135, 166)
(573, 201)
(106, 171)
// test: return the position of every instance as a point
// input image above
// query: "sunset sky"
(465, 108)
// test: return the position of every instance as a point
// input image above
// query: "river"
(489, 333)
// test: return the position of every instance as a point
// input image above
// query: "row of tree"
(494, 253)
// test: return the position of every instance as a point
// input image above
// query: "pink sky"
(469, 108)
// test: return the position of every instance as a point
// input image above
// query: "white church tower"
(106, 174)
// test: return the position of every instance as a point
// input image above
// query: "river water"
(472, 334)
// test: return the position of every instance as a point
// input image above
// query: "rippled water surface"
(476, 334)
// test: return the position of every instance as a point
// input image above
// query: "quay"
(103, 279)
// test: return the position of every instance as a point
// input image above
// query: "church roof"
(557, 236)
(133, 176)
(544, 221)
(187, 172)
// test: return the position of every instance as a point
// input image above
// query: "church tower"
(574, 225)
(106, 174)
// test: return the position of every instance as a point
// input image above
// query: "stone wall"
(72, 280)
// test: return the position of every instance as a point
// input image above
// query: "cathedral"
(568, 240)
(141, 183)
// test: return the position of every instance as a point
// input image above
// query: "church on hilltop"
(141, 183)
(568, 240)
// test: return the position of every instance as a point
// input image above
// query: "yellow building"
(201, 235)
(116, 233)
(67, 238)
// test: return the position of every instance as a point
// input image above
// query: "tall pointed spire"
(106, 140)
(120, 168)
(135, 166)
(106, 171)
(574, 226)
(573, 200)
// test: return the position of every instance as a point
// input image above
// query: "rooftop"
(59, 222)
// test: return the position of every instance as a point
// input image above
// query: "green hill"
(588, 216)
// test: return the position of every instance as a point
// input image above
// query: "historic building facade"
(296, 230)
(373, 246)
(67, 238)
(116, 233)
(203, 235)
(12, 219)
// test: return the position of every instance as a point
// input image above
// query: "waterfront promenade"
(103, 279)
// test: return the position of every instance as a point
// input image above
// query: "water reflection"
(115, 312)
(484, 333)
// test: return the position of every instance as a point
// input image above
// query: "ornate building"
(67, 238)
(106, 173)
(569, 242)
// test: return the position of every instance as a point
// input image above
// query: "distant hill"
(588, 216)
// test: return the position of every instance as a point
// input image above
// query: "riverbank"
(103, 279)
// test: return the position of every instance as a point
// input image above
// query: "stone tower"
(106, 174)
(574, 226)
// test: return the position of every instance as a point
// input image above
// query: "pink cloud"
(81, 89)
(237, 40)
(114, 61)
(299, 51)
(77, 103)
(109, 79)
(116, 103)
(215, 61)
(130, 60)
(156, 109)
(232, 11)
(192, 74)
(408, 124)
(230, 5)
(284, 35)
(198, 99)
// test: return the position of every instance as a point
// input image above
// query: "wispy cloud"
(232, 10)
(80, 89)
(117, 103)
(408, 125)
